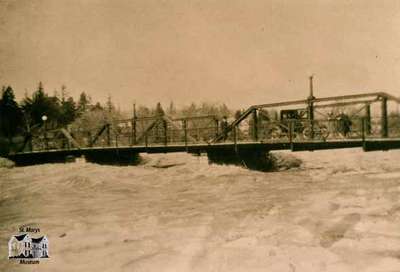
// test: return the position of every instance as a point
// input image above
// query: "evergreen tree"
(64, 93)
(109, 104)
(159, 128)
(68, 108)
(11, 116)
(97, 107)
(41, 104)
(159, 110)
(83, 103)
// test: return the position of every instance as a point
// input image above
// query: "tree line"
(62, 110)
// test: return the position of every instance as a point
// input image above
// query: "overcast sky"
(237, 52)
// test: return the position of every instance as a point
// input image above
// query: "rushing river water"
(339, 212)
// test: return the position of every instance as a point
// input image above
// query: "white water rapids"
(339, 212)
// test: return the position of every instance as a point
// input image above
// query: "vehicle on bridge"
(296, 124)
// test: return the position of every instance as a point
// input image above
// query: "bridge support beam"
(255, 159)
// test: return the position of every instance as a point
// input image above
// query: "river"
(340, 211)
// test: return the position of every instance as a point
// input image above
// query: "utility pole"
(310, 107)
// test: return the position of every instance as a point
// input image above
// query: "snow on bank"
(5, 163)
(175, 212)
(284, 161)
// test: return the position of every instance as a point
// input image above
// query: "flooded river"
(339, 212)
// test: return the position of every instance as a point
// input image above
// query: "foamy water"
(175, 212)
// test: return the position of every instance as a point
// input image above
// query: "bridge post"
(117, 131)
(216, 127)
(134, 125)
(235, 138)
(384, 118)
(363, 128)
(291, 132)
(255, 125)
(310, 108)
(165, 128)
(133, 131)
(108, 135)
(367, 119)
(184, 124)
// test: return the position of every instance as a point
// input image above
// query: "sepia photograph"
(200, 135)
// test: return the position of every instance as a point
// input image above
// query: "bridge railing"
(184, 132)
(270, 131)
(394, 126)
(377, 128)
(159, 130)
(295, 130)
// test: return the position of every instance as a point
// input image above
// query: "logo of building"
(26, 247)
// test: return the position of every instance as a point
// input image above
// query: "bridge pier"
(112, 157)
(25, 159)
(255, 159)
